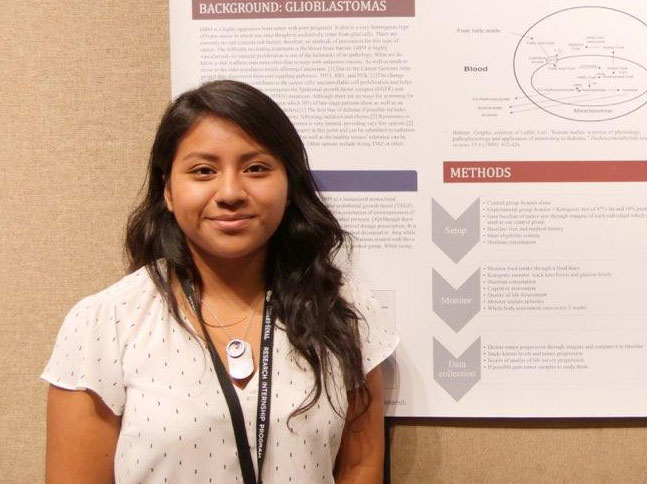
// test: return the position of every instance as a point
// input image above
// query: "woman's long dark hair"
(305, 283)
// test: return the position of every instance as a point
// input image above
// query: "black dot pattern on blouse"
(122, 344)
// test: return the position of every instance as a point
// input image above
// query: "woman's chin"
(232, 252)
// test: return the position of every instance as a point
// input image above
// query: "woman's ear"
(167, 194)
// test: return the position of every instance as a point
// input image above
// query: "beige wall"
(82, 86)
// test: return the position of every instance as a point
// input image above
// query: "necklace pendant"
(239, 359)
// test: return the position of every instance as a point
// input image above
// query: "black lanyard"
(264, 391)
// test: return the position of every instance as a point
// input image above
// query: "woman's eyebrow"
(252, 154)
(201, 155)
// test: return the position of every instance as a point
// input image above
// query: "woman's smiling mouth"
(230, 223)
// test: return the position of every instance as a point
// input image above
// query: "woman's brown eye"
(257, 168)
(203, 171)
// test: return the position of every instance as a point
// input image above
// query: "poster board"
(491, 168)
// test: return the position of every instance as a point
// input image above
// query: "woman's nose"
(230, 189)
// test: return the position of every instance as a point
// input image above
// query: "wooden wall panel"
(495, 452)
(82, 86)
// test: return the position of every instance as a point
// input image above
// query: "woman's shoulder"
(356, 292)
(133, 288)
(90, 345)
(354, 289)
(378, 335)
(123, 304)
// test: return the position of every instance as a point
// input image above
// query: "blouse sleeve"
(87, 353)
(378, 338)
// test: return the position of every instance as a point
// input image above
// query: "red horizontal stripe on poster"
(228, 9)
(543, 171)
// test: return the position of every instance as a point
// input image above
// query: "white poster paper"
(489, 159)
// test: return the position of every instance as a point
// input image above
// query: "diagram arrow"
(455, 237)
(456, 306)
(457, 376)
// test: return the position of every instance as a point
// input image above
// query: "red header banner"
(543, 171)
(222, 9)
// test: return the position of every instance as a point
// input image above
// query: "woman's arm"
(81, 438)
(360, 459)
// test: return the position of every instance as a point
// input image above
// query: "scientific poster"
(489, 158)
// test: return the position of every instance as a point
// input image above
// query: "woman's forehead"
(211, 137)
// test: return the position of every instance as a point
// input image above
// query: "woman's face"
(227, 192)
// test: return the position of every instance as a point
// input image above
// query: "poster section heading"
(544, 171)
(366, 180)
(223, 9)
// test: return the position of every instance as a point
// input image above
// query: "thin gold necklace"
(219, 323)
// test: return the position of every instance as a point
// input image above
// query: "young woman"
(235, 350)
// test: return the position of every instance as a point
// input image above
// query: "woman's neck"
(234, 281)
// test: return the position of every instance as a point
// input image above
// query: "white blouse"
(123, 344)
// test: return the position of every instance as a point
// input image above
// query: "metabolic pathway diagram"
(584, 64)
